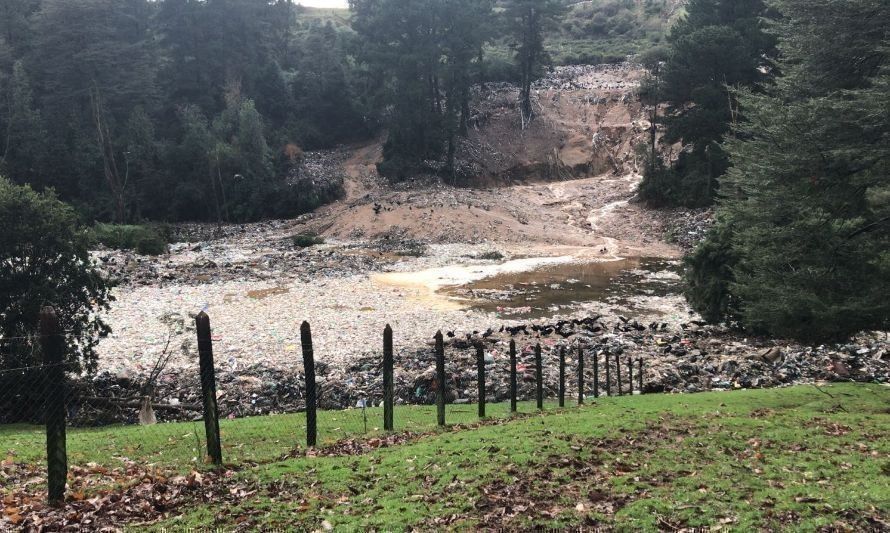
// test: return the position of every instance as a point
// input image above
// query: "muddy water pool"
(630, 285)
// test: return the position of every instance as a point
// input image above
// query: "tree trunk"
(112, 176)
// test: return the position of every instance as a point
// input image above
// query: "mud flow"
(561, 289)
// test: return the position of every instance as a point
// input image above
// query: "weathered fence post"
(512, 376)
(640, 375)
(387, 380)
(618, 373)
(480, 376)
(562, 376)
(440, 378)
(208, 388)
(309, 370)
(596, 375)
(539, 376)
(630, 375)
(53, 346)
(580, 373)
(608, 376)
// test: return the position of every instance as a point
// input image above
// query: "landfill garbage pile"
(693, 358)
(587, 120)
(688, 227)
(319, 171)
(258, 259)
(606, 77)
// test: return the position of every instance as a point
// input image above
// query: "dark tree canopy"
(44, 261)
(719, 46)
(423, 53)
(801, 248)
(527, 21)
(103, 100)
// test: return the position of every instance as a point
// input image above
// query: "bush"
(145, 240)
(709, 276)
(487, 256)
(307, 241)
(44, 260)
(691, 182)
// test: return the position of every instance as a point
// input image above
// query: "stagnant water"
(560, 289)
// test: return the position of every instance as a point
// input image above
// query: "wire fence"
(71, 435)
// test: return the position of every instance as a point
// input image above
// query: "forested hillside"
(170, 110)
(193, 110)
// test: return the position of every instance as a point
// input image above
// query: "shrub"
(488, 256)
(307, 241)
(44, 260)
(145, 240)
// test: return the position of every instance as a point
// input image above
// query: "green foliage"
(423, 56)
(326, 109)
(689, 182)
(805, 202)
(611, 28)
(307, 241)
(709, 273)
(145, 240)
(44, 260)
(171, 110)
(24, 153)
(527, 21)
(720, 45)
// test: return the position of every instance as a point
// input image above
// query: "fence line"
(52, 346)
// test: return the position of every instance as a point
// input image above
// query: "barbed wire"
(34, 367)
(35, 336)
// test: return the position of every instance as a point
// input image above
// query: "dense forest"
(172, 110)
(200, 110)
(801, 245)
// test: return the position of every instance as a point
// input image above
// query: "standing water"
(625, 285)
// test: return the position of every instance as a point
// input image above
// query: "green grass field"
(795, 458)
(179, 447)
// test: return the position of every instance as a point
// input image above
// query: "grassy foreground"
(793, 458)
(796, 458)
(179, 447)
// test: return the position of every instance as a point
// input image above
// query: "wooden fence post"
(208, 388)
(580, 373)
(309, 371)
(440, 378)
(608, 376)
(387, 380)
(596, 375)
(512, 376)
(480, 376)
(640, 375)
(562, 376)
(618, 373)
(630, 375)
(52, 344)
(539, 376)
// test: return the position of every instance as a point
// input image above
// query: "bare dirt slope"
(565, 181)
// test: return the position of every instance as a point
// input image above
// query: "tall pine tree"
(801, 248)
(719, 46)
(527, 21)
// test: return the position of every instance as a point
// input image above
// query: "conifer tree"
(719, 46)
(801, 249)
(527, 21)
